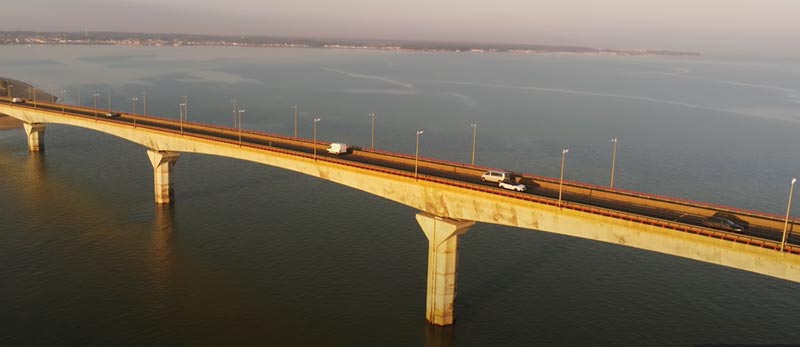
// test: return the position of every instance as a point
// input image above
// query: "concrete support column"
(442, 234)
(35, 132)
(163, 162)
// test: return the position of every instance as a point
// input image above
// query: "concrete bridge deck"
(450, 196)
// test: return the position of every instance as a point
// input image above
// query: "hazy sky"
(709, 26)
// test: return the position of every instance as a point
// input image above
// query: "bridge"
(450, 196)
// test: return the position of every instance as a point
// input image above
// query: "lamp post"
(180, 117)
(185, 108)
(8, 88)
(63, 97)
(372, 137)
(295, 120)
(788, 207)
(240, 125)
(316, 120)
(144, 103)
(34, 98)
(613, 161)
(109, 99)
(94, 97)
(235, 122)
(474, 140)
(133, 103)
(561, 182)
(416, 154)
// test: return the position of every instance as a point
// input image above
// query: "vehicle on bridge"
(733, 218)
(511, 186)
(337, 148)
(722, 224)
(18, 100)
(112, 114)
(496, 176)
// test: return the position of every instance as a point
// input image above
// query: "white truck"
(337, 148)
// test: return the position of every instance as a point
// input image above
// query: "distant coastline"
(179, 40)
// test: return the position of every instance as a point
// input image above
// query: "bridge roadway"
(451, 196)
(674, 214)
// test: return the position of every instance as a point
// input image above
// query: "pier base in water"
(442, 234)
(163, 162)
(35, 132)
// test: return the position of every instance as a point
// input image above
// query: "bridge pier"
(442, 234)
(163, 162)
(35, 132)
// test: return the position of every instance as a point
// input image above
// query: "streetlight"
(416, 155)
(474, 140)
(316, 120)
(613, 161)
(185, 108)
(788, 207)
(180, 117)
(34, 98)
(95, 104)
(63, 99)
(561, 183)
(133, 102)
(144, 103)
(240, 125)
(8, 88)
(295, 121)
(372, 142)
(109, 99)
(235, 122)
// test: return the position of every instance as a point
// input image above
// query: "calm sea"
(253, 255)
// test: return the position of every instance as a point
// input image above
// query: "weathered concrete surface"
(456, 202)
(35, 132)
(442, 234)
(163, 162)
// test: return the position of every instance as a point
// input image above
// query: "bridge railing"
(592, 190)
(682, 227)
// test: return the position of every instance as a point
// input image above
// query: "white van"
(18, 100)
(496, 176)
(337, 148)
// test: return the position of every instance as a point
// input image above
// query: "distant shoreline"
(180, 40)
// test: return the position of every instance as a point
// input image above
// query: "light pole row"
(183, 111)
(564, 152)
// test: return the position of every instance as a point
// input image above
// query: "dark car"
(733, 218)
(722, 224)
